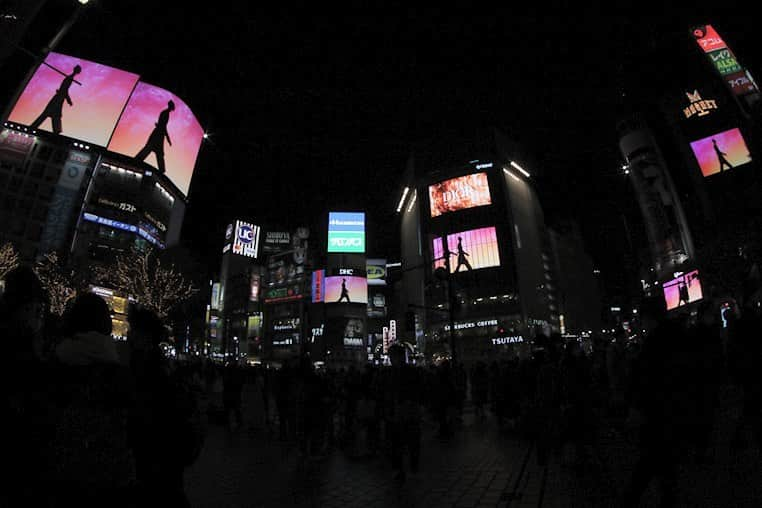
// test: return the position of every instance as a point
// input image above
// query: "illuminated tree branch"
(140, 274)
(9, 259)
(58, 282)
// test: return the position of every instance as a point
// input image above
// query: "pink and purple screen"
(137, 124)
(478, 249)
(356, 289)
(682, 290)
(721, 152)
(96, 100)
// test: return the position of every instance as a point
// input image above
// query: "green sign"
(724, 61)
(346, 232)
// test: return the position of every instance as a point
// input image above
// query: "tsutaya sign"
(513, 339)
(698, 106)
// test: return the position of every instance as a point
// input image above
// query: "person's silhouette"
(344, 292)
(54, 108)
(155, 141)
(721, 157)
(462, 257)
(683, 291)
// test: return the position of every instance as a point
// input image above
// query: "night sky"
(311, 112)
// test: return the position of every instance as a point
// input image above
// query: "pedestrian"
(166, 428)
(94, 392)
(404, 413)
(25, 382)
(232, 388)
(661, 396)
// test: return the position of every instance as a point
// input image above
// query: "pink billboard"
(469, 250)
(159, 128)
(74, 97)
(683, 290)
(459, 193)
(721, 152)
(346, 289)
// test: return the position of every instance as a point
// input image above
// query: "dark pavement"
(478, 467)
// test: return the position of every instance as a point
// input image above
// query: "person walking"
(155, 142)
(54, 108)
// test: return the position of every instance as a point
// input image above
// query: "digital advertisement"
(346, 232)
(159, 128)
(683, 290)
(376, 272)
(721, 152)
(246, 242)
(74, 97)
(459, 193)
(318, 286)
(469, 250)
(346, 289)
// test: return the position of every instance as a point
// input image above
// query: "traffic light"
(410, 321)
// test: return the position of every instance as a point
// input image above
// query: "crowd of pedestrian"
(117, 423)
(90, 421)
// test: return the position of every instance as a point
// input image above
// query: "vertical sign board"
(246, 242)
(64, 201)
(346, 232)
(735, 76)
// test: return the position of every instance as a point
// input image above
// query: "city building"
(691, 150)
(90, 175)
(476, 254)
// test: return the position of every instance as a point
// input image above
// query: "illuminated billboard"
(318, 286)
(246, 241)
(721, 152)
(459, 193)
(469, 250)
(346, 232)
(708, 38)
(345, 289)
(376, 272)
(682, 290)
(158, 127)
(74, 97)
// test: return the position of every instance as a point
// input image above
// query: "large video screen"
(683, 290)
(74, 97)
(346, 232)
(469, 250)
(159, 128)
(721, 152)
(459, 193)
(346, 289)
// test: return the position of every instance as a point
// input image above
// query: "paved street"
(479, 467)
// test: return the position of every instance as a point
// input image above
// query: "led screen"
(346, 289)
(82, 101)
(469, 250)
(459, 193)
(160, 128)
(708, 38)
(682, 290)
(721, 152)
(346, 232)
(318, 286)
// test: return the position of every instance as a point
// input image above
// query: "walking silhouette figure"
(54, 108)
(721, 157)
(462, 257)
(155, 141)
(344, 292)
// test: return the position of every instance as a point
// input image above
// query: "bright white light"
(626, 171)
(412, 202)
(402, 199)
(520, 169)
(512, 175)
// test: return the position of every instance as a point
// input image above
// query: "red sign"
(708, 38)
